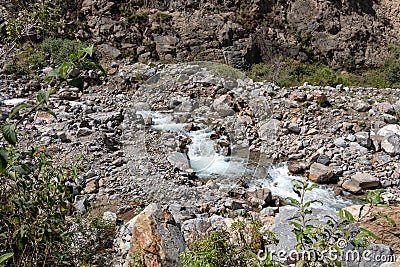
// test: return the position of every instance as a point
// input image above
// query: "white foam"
(281, 184)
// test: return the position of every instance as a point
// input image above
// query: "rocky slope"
(350, 34)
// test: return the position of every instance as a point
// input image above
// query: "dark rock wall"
(348, 33)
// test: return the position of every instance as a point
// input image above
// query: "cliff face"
(349, 33)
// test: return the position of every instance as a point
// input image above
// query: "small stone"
(263, 194)
(234, 204)
(363, 139)
(91, 187)
(389, 118)
(323, 159)
(340, 142)
(83, 132)
(294, 127)
(362, 106)
(268, 211)
(110, 216)
(81, 203)
(118, 162)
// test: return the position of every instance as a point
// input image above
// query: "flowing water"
(207, 163)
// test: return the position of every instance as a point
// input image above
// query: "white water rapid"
(207, 163)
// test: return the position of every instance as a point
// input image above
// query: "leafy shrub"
(219, 248)
(83, 60)
(317, 238)
(215, 250)
(35, 193)
(226, 71)
(33, 57)
(36, 19)
(92, 239)
(259, 72)
(138, 17)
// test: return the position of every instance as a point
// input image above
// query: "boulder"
(156, 237)
(360, 181)
(221, 106)
(269, 130)
(262, 194)
(320, 173)
(179, 160)
(389, 129)
(296, 167)
(363, 139)
(391, 144)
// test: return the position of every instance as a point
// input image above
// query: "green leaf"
(293, 201)
(349, 217)
(365, 232)
(22, 169)
(17, 108)
(13, 220)
(374, 197)
(43, 96)
(9, 133)
(5, 257)
(384, 215)
(3, 159)
(89, 50)
(308, 203)
(46, 109)
(311, 187)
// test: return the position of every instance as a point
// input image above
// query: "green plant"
(259, 72)
(93, 239)
(164, 17)
(314, 239)
(136, 260)
(139, 17)
(34, 19)
(374, 198)
(226, 71)
(244, 248)
(215, 250)
(80, 61)
(53, 50)
(35, 195)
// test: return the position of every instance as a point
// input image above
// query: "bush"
(51, 50)
(220, 248)
(259, 72)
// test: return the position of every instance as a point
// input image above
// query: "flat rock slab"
(360, 181)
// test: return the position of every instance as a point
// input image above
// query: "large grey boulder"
(320, 173)
(391, 144)
(179, 160)
(269, 130)
(156, 237)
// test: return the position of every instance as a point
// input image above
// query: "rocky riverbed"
(139, 129)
